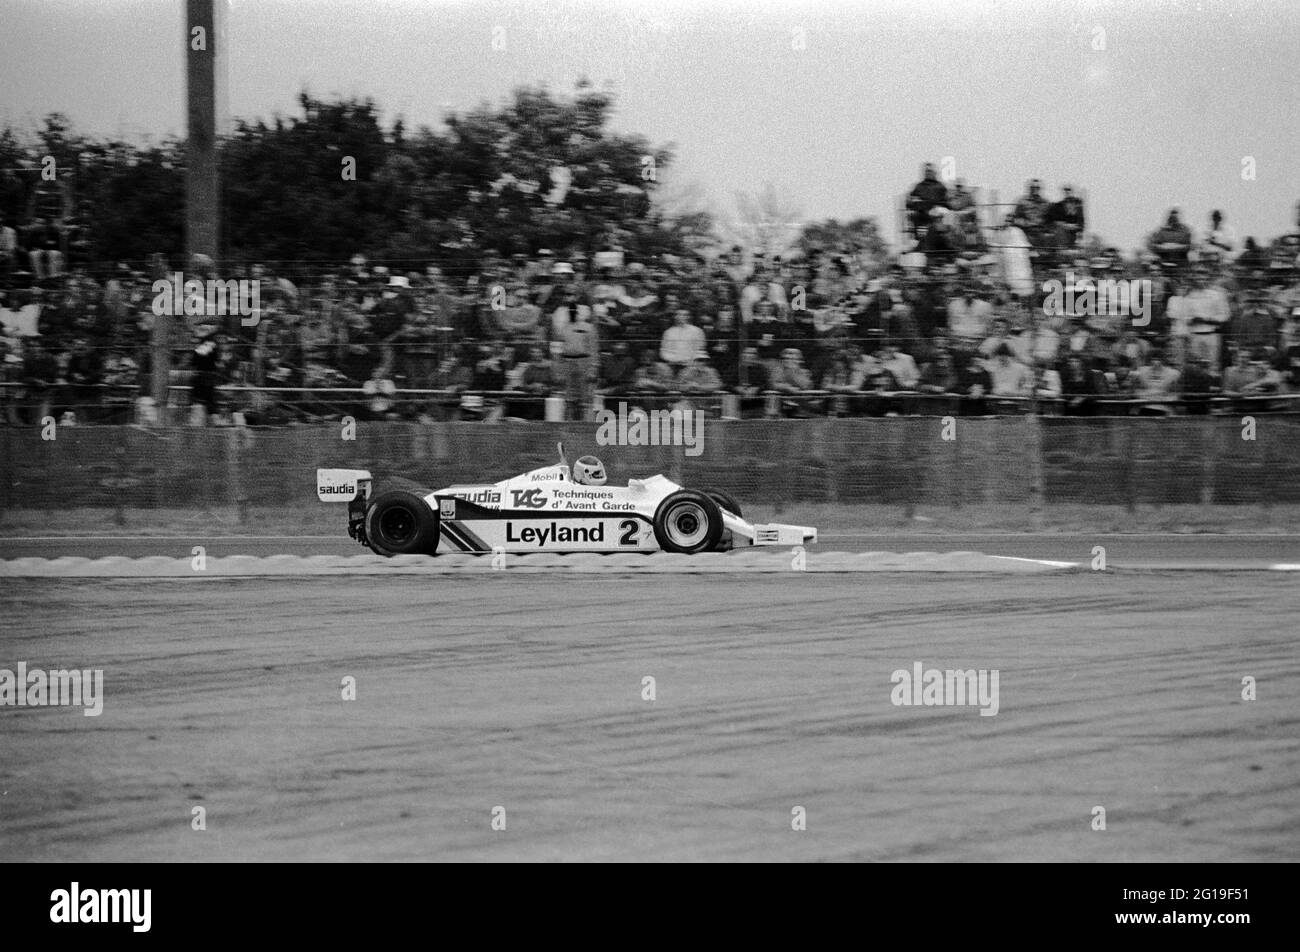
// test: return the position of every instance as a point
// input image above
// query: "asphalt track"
(1119, 689)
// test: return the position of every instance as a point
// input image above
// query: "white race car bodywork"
(544, 510)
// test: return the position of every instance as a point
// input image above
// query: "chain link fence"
(907, 462)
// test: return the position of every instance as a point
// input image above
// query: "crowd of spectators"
(955, 318)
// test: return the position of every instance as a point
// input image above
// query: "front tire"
(688, 522)
(726, 501)
(401, 523)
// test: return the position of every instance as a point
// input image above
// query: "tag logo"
(447, 508)
(528, 498)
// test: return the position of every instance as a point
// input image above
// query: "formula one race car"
(552, 509)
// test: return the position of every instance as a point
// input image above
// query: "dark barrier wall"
(903, 461)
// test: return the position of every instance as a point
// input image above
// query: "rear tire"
(401, 523)
(688, 521)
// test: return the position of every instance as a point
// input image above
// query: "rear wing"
(342, 485)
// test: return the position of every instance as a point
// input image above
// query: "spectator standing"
(768, 332)
(1010, 377)
(1067, 220)
(1178, 316)
(763, 285)
(519, 320)
(389, 318)
(1220, 241)
(1017, 266)
(1032, 216)
(1207, 310)
(681, 342)
(636, 306)
(925, 195)
(961, 202)
(580, 352)
(724, 345)
(1172, 243)
(205, 362)
(1284, 255)
(969, 314)
(8, 251)
(939, 244)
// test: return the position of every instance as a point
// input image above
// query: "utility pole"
(202, 39)
(201, 48)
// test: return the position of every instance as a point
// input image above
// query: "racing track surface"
(1118, 689)
(1123, 550)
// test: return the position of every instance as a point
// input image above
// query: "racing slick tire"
(401, 523)
(688, 521)
(726, 501)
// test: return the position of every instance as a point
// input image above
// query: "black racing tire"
(688, 521)
(391, 483)
(726, 501)
(401, 523)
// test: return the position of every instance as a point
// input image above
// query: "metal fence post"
(1126, 469)
(958, 484)
(1209, 457)
(912, 488)
(1037, 484)
(237, 498)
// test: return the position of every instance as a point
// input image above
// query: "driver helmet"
(589, 471)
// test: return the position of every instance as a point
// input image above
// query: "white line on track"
(1049, 562)
(175, 538)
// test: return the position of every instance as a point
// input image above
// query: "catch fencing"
(904, 461)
